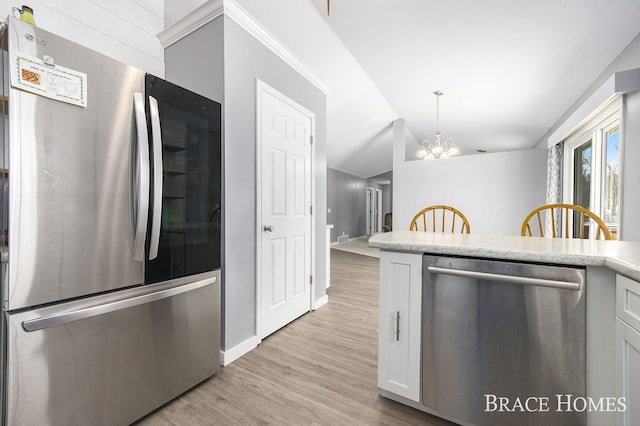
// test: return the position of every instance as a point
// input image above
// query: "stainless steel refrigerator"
(110, 215)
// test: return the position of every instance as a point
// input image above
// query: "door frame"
(262, 88)
(368, 207)
(378, 197)
(373, 211)
(594, 128)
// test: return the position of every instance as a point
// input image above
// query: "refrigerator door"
(111, 359)
(190, 166)
(75, 177)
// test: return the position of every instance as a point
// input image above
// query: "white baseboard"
(321, 302)
(230, 355)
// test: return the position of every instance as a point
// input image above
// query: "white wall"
(176, 10)
(494, 191)
(123, 29)
(628, 59)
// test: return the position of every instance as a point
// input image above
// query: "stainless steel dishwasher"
(497, 329)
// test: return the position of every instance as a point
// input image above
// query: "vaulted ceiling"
(508, 70)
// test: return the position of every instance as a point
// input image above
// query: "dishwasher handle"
(564, 285)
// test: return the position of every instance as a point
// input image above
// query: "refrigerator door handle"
(156, 136)
(142, 173)
(105, 308)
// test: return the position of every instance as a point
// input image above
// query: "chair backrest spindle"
(589, 223)
(439, 223)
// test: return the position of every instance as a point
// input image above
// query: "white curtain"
(554, 181)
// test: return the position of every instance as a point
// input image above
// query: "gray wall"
(186, 69)
(630, 226)
(387, 192)
(244, 60)
(346, 197)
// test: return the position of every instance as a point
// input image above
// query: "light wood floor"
(358, 245)
(321, 369)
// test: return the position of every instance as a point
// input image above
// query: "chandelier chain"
(437, 113)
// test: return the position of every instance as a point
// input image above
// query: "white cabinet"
(399, 324)
(628, 348)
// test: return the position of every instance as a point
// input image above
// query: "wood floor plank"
(319, 370)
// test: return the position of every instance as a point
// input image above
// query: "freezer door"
(113, 359)
(72, 174)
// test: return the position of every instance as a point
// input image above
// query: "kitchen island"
(610, 315)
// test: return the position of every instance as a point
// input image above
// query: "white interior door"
(284, 259)
(373, 216)
(378, 211)
(369, 217)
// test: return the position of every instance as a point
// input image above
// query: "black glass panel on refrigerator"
(191, 203)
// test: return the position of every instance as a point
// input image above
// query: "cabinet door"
(628, 301)
(399, 324)
(628, 348)
(628, 372)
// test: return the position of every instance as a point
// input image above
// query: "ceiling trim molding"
(234, 11)
(191, 22)
(216, 8)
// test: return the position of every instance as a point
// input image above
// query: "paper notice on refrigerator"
(47, 79)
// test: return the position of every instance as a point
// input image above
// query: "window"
(592, 159)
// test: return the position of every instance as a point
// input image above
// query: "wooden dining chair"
(439, 219)
(562, 226)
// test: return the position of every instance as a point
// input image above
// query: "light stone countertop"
(622, 257)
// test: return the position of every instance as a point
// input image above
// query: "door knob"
(268, 228)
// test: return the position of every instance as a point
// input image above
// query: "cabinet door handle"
(397, 326)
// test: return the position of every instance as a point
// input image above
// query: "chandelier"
(437, 149)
